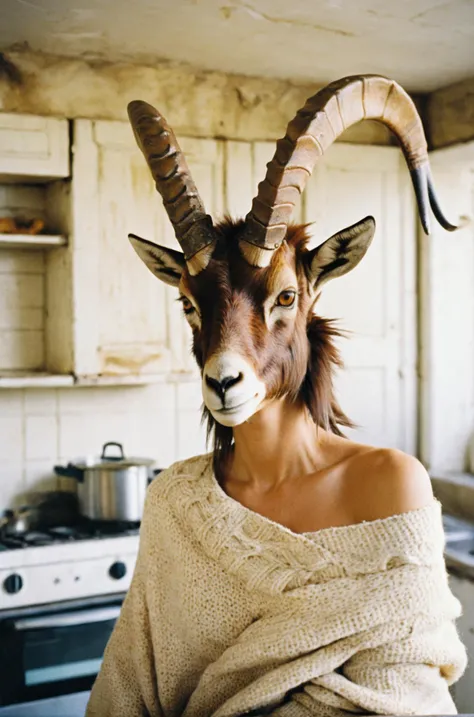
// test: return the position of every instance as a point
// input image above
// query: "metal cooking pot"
(113, 487)
(47, 510)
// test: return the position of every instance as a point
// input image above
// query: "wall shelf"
(137, 379)
(41, 379)
(29, 379)
(28, 241)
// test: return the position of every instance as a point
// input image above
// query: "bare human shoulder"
(388, 482)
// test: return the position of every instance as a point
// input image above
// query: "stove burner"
(63, 532)
(85, 530)
(35, 537)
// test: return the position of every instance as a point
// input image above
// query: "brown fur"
(296, 359)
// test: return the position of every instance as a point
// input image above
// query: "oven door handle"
(69, 619)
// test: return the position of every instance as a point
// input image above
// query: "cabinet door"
(245, 167)
(447, 311)
(128, 322)
(375, 302)
(33, 147)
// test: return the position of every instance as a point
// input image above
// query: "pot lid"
(113, 459)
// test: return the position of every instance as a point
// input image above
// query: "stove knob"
(13, 584)
(118, 570)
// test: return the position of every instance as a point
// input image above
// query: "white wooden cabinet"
(110, 320)
(447, 310)
(33, 147)
(376, 302)
(127, 324)
(121, 321)
(34, 158)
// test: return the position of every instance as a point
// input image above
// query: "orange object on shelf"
(10, 225)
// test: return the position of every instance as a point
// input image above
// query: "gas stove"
(64, 562)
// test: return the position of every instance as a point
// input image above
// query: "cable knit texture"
(230, 613)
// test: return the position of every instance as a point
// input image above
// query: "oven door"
(53, 653)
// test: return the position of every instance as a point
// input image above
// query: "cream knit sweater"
(230, 613)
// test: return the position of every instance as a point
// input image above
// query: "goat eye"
(286, 298)
(188, 308)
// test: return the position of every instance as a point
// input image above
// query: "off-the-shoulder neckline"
(377, 523)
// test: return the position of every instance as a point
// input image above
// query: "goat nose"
(220, 387)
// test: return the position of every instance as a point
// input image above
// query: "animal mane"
(315, 391)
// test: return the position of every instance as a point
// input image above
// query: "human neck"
(278, 443)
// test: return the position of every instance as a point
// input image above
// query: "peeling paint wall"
(450, 114)
(198, 104)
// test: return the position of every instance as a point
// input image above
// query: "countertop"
(63, 706)
(69, 707)
(75, 706)
(459, 549)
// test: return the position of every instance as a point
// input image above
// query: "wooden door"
(128, 321)
(376, 302)
(447, 317)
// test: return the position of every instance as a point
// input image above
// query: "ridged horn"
(192, 226)
(316, 126)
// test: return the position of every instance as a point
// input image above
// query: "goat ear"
(166, 264)
(340, 253)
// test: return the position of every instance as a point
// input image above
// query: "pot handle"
(104, 455)
(153, 475)
(70, 471)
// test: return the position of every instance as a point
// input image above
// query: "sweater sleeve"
(405, 677)
(126, 685)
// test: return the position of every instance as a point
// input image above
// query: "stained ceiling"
(424, 44)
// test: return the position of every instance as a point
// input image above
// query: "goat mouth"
(239, 413)
(236, 408)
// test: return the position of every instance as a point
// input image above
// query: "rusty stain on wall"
(450, 114)
(132, 359)
(9, 71)
(197, 103)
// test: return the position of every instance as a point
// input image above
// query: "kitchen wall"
(22, 306)
(41, 427)
(198, 103)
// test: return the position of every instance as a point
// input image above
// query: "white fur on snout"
(242, 399)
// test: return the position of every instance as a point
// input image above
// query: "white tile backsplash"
(11, 440)
(25, 291)
(189, 396)
(40, 402)
(191, 434)
(40, 428)
(22, 308)
(13, 261)
(108, 399)
(12, 485)
(11, 402)
(21, 349)
(22, 318)
(39, 476)
(41, 437)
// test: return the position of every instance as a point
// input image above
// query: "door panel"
(136, 324)
(447, 317)
(375, 302)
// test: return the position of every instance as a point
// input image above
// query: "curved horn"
(192, 226)
(316, 126)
